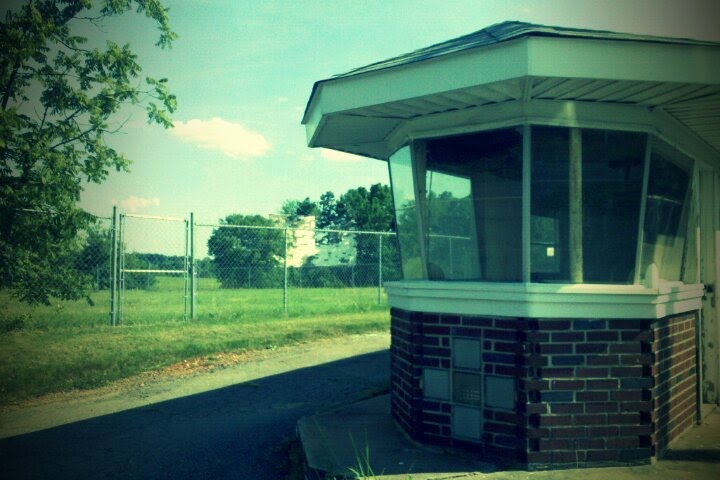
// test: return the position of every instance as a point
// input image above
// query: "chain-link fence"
(144, 269)
(246, 270)
(28, 282)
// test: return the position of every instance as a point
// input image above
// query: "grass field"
(69, 345)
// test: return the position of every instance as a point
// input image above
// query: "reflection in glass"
(612, 187)
(666, 213)
(474, 206)
(403, 191)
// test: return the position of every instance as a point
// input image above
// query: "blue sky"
(243, 71)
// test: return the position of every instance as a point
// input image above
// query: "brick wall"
(674, 369)
(589, 392)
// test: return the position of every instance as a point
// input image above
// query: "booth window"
(586, 188)
(666, 212)
(474, 207)
(459, 206)
(406, 215)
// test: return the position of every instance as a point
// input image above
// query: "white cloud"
(336, 156)
(232, 139)
(134, 204)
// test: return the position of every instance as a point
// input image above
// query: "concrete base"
(362, 437)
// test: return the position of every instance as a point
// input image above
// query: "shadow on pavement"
(232, 432)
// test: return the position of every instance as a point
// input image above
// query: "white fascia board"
(621, 60)
(544, 300)
(313, 119)
(451, 72)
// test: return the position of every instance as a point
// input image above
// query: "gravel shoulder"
(180, 380)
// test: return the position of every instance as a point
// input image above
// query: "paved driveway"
(230, 432)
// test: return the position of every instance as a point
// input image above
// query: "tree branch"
(9, 86)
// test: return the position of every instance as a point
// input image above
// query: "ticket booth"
(557, 202)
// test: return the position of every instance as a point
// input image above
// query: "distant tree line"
(253, 257)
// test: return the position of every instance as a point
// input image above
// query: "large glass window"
(666, 212)
(474, 206)
(549, 241)
(406, 215)
(586, 188)
(460, 207)
(612, 188)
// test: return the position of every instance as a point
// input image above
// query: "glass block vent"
(436, 384)
(500, 392)
(466, 422)
(467, 388)
(466, 353)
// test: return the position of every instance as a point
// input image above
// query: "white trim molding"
(533, 300)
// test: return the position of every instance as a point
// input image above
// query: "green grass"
(69, 345)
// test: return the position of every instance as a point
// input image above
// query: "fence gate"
(166, 269)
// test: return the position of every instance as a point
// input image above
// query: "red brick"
(602, 455)
(556, 444)
(590, 443)
(594, 372)
(556, 348)
(566, 432)
(626, 372)
(553, 420)
(571, 457)
(601, 407)
(604, 431)
(623, 442)
(603, 360)
(568, 336)
(567, 408)
(609, 384)
(567, 384)
(591, 348)
(596, 396)
(591, 419)
(602, 336)
(624, 418)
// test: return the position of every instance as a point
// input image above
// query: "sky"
(243, 70)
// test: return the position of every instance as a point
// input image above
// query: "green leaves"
(58, 103)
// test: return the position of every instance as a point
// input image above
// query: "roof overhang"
(661, 84)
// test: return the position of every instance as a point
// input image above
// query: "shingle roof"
(502, 32)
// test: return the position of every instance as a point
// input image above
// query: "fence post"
(121, 270)
(113, 266)
(186, 270)
(192, 266)
(285, 273)
(380, 259)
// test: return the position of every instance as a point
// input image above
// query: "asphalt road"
(231, 432)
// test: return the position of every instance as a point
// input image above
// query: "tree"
(247, 257)
(94, 258)
(294, 209)
(59, 100)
